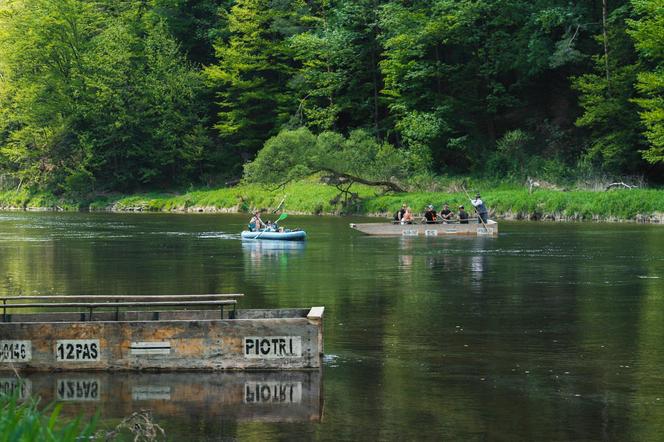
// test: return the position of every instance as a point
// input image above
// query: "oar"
(282, 217)
(478, 213)
(280, 204)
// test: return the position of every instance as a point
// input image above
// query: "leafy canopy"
(297, 154)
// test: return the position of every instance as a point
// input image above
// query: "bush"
(23, 421)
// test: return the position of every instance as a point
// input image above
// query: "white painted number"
(269, 347)
(15, 351)
(77, 350)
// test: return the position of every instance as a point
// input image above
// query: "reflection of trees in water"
(41, 259)
(568, 300)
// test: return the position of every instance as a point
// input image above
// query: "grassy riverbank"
(645, 205)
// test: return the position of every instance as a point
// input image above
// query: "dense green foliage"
(23, 421)
(297, 154)
(99, 95)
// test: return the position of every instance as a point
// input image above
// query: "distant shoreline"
(308, 198)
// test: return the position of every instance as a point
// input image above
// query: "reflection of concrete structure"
(260, 396)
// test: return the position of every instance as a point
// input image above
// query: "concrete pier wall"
(288, 339)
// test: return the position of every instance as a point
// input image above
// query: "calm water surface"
(548, 332)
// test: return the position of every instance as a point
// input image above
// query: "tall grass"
(23, 421)
(615, 204)
(316, 198)
(25, 199)
(302, 197)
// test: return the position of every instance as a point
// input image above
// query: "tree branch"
(389, 184)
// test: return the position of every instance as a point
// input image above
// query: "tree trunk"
(606, 44)
(356, 179)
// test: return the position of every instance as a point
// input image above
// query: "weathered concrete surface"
(279, 343)
(293, 396)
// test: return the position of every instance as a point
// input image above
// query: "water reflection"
(256, 396)
(270, 256)
(547, 332)
(258, 248)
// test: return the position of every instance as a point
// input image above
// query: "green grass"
(301, 197)
(615, 204)
(315, 198)
(23, 421)
(24, 199)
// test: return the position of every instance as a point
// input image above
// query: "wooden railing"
(93, 304)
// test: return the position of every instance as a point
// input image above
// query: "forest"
(128, 95)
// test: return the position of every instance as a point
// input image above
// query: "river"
(547, 332)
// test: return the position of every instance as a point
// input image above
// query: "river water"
(547, 332)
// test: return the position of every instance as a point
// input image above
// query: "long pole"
(478, 213)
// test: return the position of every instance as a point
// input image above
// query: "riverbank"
(620, 205)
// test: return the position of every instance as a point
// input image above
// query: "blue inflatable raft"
(287, 235)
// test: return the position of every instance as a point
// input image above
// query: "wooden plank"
(434, 229)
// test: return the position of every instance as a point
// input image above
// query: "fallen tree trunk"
(356, 179)
(620, 184)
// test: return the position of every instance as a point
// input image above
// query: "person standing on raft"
(480, 208)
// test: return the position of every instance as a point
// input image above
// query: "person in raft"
(399, 215)
(256, 223)
(480, 208)
(407, 217)
(429, 215)
(463, 215)
(446, 215)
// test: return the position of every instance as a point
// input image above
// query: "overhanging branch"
(388, 184)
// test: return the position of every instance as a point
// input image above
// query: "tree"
(140, 121)
(607, 100)
(95, 95)
(459, 73)
(253, 70)
(648, 34)
(360, 158)
(41, 47)
(195, 24)
(337, 82)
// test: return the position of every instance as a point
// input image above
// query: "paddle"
(282, 217)
(478, 213)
